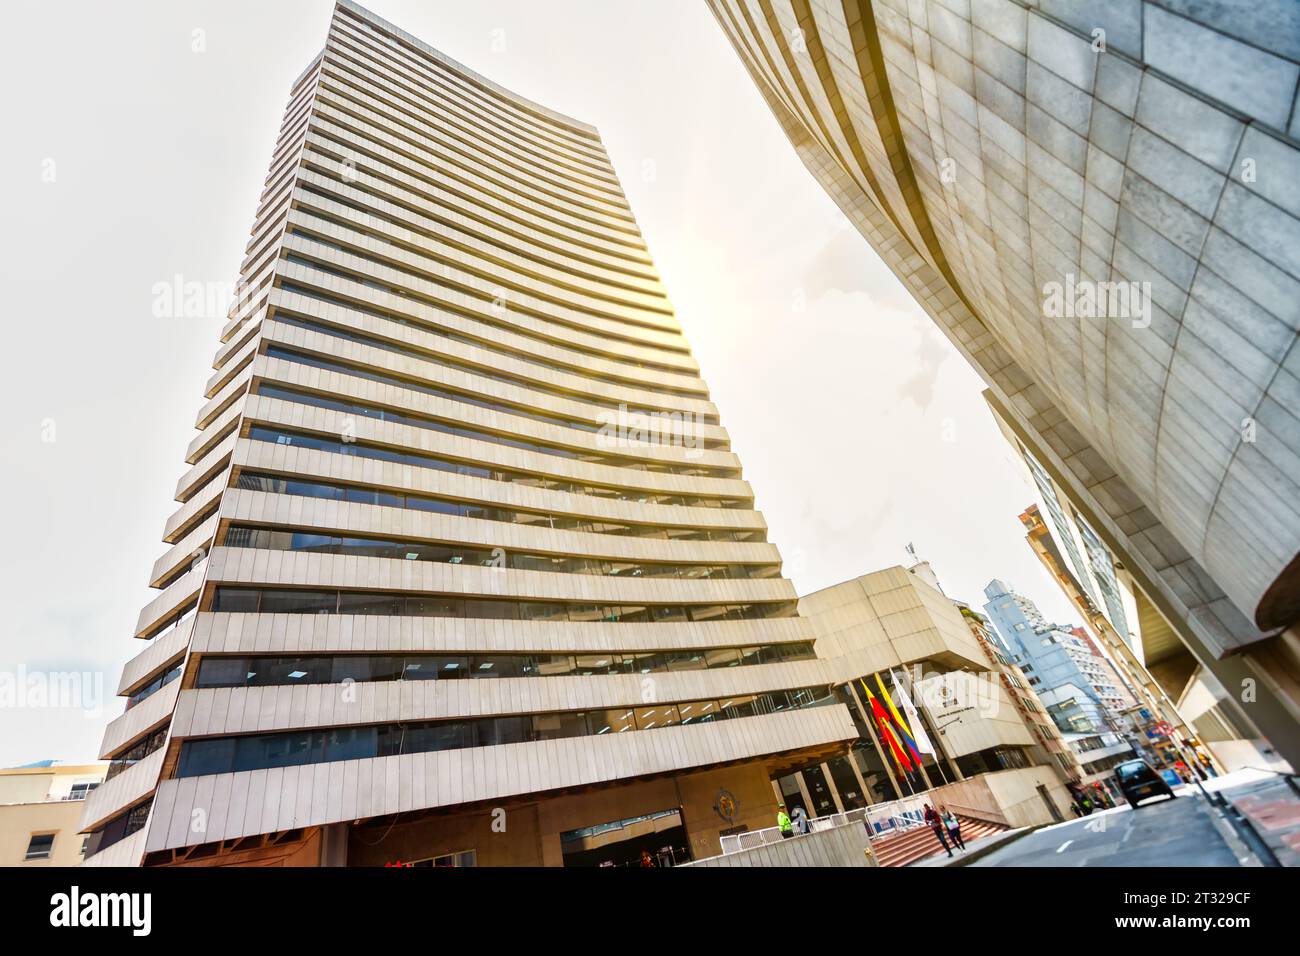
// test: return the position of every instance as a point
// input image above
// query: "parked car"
(1138, 780)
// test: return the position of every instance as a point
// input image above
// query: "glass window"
(685, 660)
(223, 672)
(352, 667)
(505, 730)
(722, 657)
(559, 726)
(207, 756)
(541, 611)
(669, 615)
(432, 606)
(698, 712)
(349, 743)
(496, 665)
(299, 602)
(588, 664)
(449, 735)
(547, 665)
(440, 667)
(437, 507)
(740, 707)
(649, 663)
(362, 603)
(634, 615)
(294, 670)
(612, 721)
(238, 600)
(279, 750)
(493, 610)
(40, 846)
(663, 715)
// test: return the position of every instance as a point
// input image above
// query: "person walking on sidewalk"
(937, 826)
(953, 826)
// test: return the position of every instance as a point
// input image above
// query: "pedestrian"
(953, 826)
(937, 826)
(800, 821)
(783, 821)
(647, 861)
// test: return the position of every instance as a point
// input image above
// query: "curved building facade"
(1096, 202)
(464, 569)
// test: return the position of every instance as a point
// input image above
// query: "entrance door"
(652, 840)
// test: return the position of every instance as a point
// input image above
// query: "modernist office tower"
(1001, 155)
(463, 569)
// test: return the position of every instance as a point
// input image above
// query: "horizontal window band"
(281, 436)
(312, 541)
(211, 755)
(482, 511)
(271, 671)
(237, 598)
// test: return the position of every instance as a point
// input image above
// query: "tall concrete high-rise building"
(464, 570)
(1096, 203)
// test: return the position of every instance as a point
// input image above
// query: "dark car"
(1138, 780)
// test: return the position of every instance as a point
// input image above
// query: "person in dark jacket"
(936, 824)
(953, 826)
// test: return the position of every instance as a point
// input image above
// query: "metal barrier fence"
(880, 820)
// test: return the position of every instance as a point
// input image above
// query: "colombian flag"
(887, 731)
(904, 731)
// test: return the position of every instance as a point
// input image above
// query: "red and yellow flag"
(887, 731)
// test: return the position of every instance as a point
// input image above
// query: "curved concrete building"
(1097, 203)
(464, 570)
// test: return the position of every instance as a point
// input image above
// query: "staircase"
(917, 843)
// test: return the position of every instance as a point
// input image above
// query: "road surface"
(1186, 831)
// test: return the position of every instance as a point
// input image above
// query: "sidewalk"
(1271, 805)
(974, 849)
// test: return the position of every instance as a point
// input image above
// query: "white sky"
(839, 409)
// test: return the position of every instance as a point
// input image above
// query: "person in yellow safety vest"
(783, 821)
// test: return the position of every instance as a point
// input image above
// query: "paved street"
(1181, 832)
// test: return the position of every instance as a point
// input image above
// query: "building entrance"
(651, 840)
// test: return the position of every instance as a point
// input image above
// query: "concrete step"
(907, 847)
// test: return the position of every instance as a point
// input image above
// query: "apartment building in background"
(463, 570)
(40, 812)
(1080, 689)
(1032, 709)
(1139, 160)
(1181, 705)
